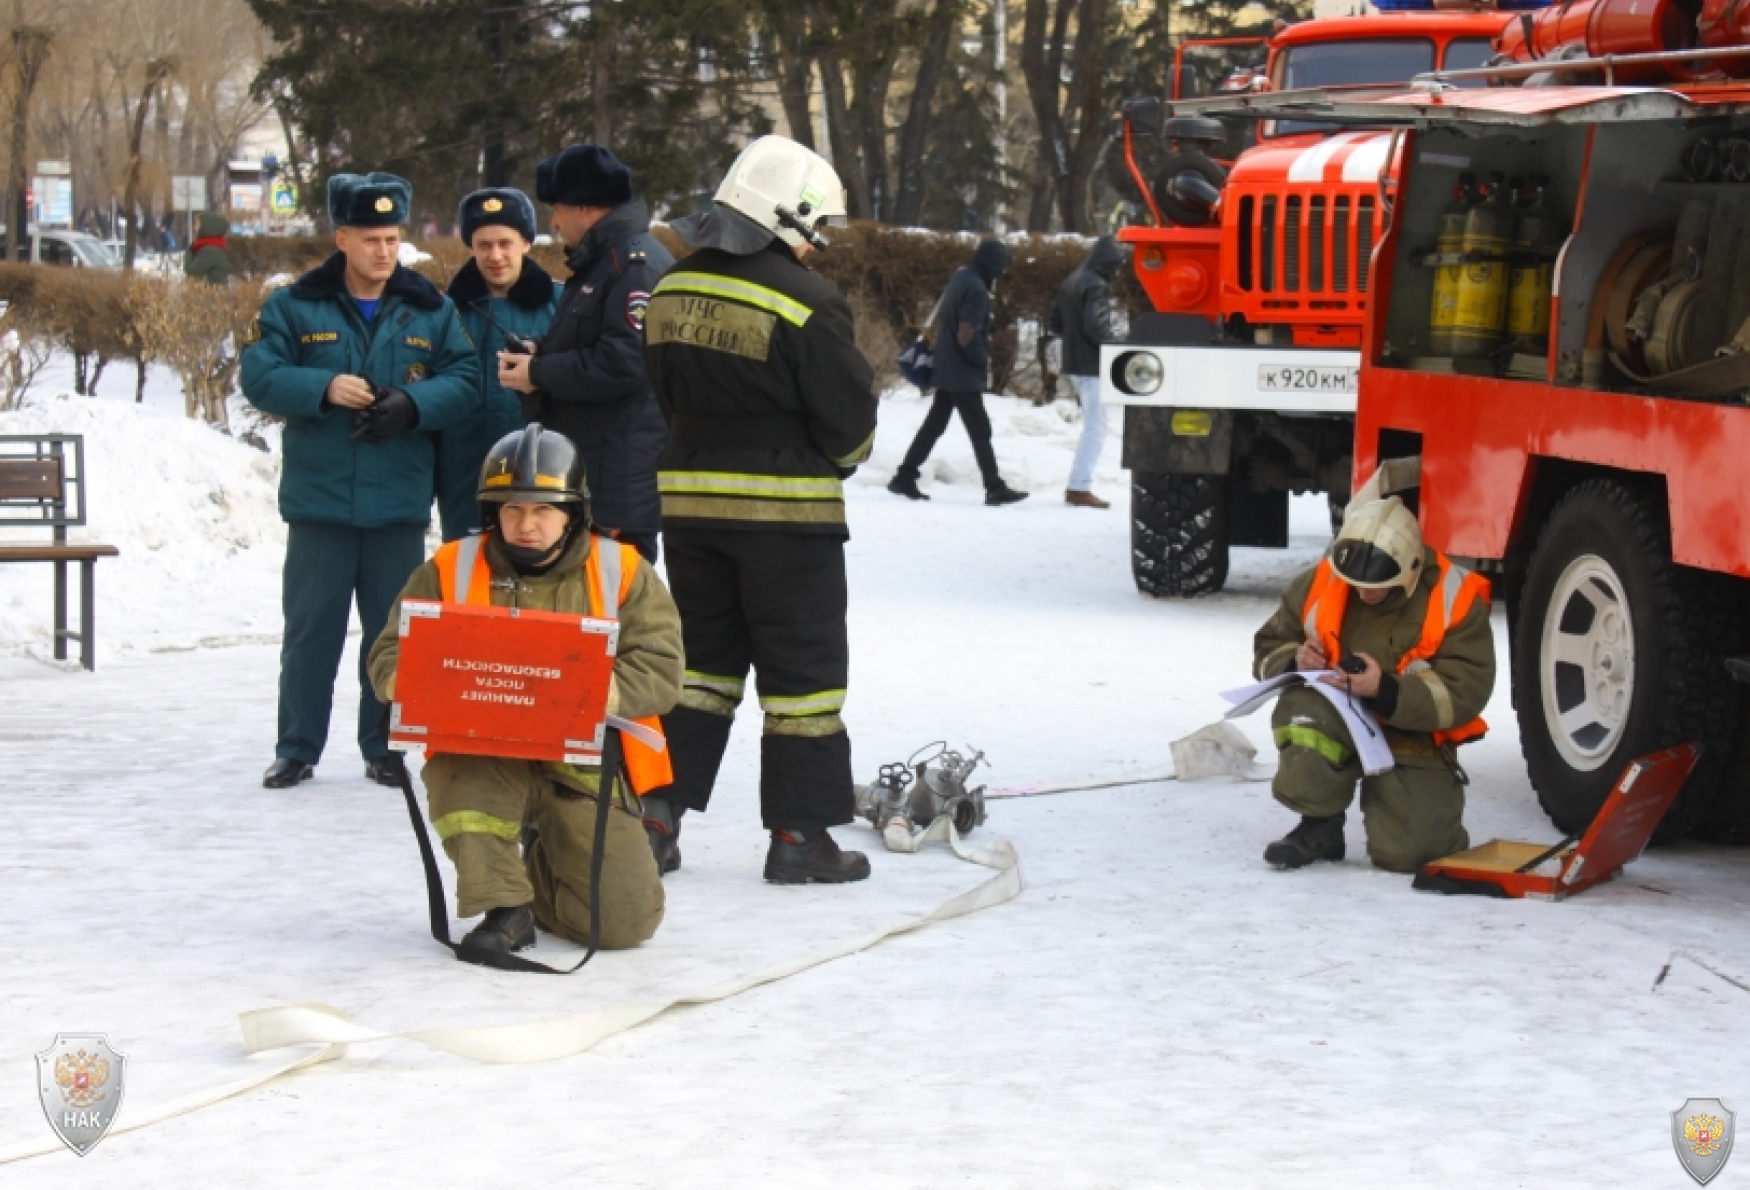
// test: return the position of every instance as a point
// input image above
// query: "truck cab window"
(1468, 53)
(1347, 64)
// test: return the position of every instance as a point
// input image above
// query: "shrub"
(195, 330)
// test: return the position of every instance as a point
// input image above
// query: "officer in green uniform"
(365, 360)
(1417, 625)
(506, 300)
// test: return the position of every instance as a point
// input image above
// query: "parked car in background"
(69, 249)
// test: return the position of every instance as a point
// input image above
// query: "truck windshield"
(1349, 63)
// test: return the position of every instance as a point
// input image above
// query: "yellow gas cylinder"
(1540, 235)
(1481, 318)
(1444, 308)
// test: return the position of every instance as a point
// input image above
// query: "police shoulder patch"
(637, 302)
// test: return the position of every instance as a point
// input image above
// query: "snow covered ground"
(1158, 1009)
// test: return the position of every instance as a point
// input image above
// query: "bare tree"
(1069, 161)
(30, 50)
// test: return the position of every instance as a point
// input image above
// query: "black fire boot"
(388, 769)
(662, 822)
(285, 773)
(1002, 493)
(906, 485)
(1314, 839)
(501, 931)
(804, 857)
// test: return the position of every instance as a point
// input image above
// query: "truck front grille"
(1308, 245)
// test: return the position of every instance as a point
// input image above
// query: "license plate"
(1277, 378)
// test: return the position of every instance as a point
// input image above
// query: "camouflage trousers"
(1413, 814)
(479, 806)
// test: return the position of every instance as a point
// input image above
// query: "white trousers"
(1081, 471)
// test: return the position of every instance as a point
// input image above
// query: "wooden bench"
(39, 490)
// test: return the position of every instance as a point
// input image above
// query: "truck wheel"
(1178, 533)
(1615, 657)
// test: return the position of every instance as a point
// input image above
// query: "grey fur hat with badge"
(500, 206)
(583, 176)
(370, 200)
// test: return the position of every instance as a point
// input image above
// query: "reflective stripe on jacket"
(1456, 590)
(462, 567)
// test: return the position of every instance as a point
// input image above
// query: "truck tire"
(1615, 656)
(1178, 533)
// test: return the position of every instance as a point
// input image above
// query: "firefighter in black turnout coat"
(586, 379)
(770, 408)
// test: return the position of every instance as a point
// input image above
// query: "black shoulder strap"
(438, 906)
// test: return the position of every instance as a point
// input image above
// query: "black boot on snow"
(501, 931)
(1314, 839)
(797, 857)
(1002, 493)
(388, 769)
(285, 773)
(907, 486)
(662, 822)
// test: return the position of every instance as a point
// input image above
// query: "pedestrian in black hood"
(962, 367)
(1083, 316)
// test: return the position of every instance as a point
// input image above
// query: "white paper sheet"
(1364, 729)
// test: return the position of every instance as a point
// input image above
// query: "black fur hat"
(583, 176)
(374, 200)
(497, 205)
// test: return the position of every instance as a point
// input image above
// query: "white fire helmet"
(1380, 546)
(787, 189)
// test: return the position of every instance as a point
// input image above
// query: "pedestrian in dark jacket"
(208, 257)
(364, 359)
(501, 293)
(962, 367)
(1082, 315)
(587, 378)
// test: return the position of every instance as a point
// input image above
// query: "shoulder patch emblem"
(415, 373)
(637, 302)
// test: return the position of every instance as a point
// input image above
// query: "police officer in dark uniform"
(586, 378)
(771, 407)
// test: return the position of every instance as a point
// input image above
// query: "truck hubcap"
(1587, 663)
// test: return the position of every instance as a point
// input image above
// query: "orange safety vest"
(609, 571)
(1455, 591)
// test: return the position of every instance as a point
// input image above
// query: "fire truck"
(1600, 473)
(1240, 381)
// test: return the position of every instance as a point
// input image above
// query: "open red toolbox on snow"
(1618, 833)
(499, 681)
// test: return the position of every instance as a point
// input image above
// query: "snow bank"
(193, 513)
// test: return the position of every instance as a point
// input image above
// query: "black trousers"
(977, 423)
(327, 566)
(774, 602)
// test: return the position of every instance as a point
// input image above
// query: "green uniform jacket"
(312, 331)
(524, 312)
(1409, 704)
(647, 666)
(770, 404)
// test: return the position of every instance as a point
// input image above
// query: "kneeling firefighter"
(771, 407)
(539, 552)
(1414, 629)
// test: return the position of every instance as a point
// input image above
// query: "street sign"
(53, 198)
(188, 192)
(284, 199)
(54, 169)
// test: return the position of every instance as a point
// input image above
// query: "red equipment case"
(500, 681)
(1617, 835)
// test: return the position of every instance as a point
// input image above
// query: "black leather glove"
(393, 412)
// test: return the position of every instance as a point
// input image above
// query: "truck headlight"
(1141, 373)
